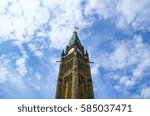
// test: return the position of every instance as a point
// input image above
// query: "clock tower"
(74, 79)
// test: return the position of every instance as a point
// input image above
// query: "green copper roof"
(75, 39)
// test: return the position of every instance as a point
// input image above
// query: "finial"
(62, 54)
(76, 28)
(86, 54)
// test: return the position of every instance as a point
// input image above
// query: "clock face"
(71, 50)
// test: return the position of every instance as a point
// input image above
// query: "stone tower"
(74, 79)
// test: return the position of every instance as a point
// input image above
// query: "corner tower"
(74, 79)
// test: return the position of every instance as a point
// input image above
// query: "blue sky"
(33, 34)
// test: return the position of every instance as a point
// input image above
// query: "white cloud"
(59, 37)
(119, 57)
(3, 6)
(35, 86)
(104, 8)
(126, 54)
(127, 82)
(4, 61)
(117, 88)
(37, 52)
(8, 75)
(42, 15)
(141, 68)
(126, 65)
(63, 19)
(145, 93)
(23, 17)
(133, 13)
(5, 22)
(94, 69)
(125, 13)
(21, 68)
(38, 76)
(3, 73)
(19, 19)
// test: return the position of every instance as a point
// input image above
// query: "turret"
(62, 54)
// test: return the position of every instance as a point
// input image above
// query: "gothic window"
(81, 66)
(64, 67)
(83, 90)
(67, 66)
(71, 63)
(69, 86)
(63, 88)
(66, 89)
(82, 87)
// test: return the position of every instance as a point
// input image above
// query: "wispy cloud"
(8, 75)
(126, 65)
(145, 92)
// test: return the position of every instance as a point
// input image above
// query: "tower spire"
(75, 39)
